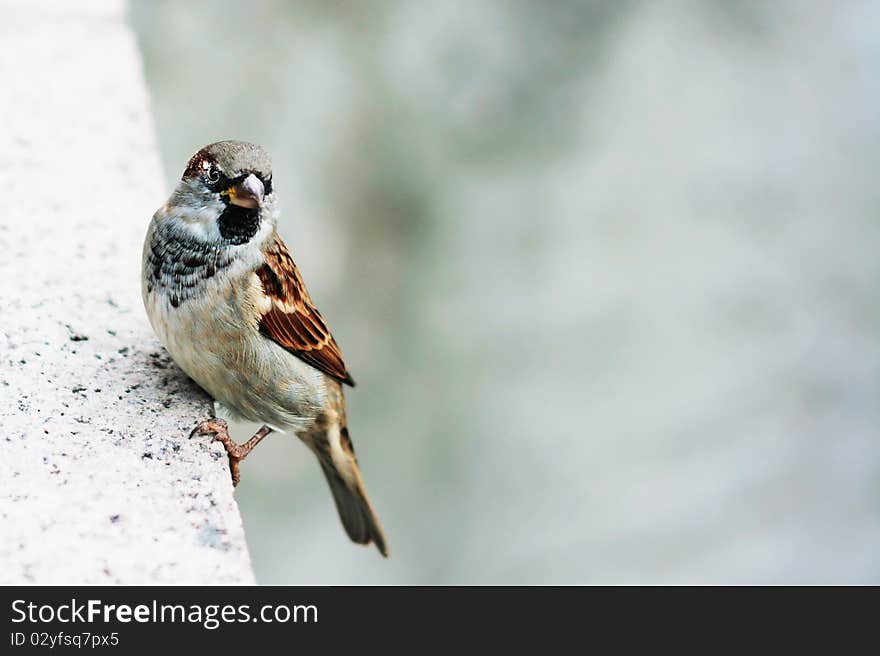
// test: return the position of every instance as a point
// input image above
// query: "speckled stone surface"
(98, 481)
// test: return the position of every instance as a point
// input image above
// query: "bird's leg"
(236, 452)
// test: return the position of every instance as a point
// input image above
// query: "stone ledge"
(99, 483)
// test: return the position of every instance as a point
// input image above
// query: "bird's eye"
(212, 174)
(267, 185)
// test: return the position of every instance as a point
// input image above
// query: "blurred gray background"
(606, 273)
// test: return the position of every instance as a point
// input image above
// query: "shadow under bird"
(228, 303)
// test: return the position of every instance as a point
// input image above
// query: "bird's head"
(225, 196)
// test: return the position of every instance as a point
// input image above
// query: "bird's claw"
(220, 430)
(214, 427)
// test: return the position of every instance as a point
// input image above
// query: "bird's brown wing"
(292, 320)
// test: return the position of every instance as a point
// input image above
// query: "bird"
(228, 303)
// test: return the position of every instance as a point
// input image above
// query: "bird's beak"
(247, 193)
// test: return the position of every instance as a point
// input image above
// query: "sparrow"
(228, 303)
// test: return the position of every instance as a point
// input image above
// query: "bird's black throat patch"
(239, 224)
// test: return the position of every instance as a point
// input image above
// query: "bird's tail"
(355, 511)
